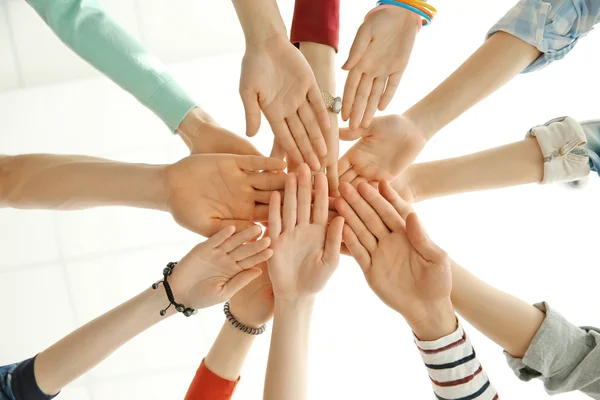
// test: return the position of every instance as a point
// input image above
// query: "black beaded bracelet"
(168, 270)
(240, 326)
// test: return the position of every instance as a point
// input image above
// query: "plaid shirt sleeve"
(552, 26)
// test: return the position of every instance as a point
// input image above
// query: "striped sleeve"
(454, 369)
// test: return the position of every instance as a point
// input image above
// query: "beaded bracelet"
(168, 270)
(240, 326)
(410, 7)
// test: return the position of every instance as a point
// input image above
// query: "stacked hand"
(408, 272)
(217, 268)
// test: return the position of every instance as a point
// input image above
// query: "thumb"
(240, 280)
(421, 242)
(359, 46)
(252, 109)
(277, 151)
(333, 242)
(348, 134)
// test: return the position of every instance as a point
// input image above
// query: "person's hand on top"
(206, 192)
(384, 149)
(377, 60)
(277, 79)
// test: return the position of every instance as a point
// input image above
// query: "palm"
(220, 140)
(253, 305)
(207, 192)
(297, 260)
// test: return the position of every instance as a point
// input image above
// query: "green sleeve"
(85, 28)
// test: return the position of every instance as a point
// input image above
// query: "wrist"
(294, 305)
(259, 26)
(193, 126)
(438, 321)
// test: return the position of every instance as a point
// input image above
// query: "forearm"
(288, 357)
(316, 21)
(496, 62)
(514, 164)
(503, 318)
(227, 355)
(83, 349)
(85, 28)
(260, 19)
(77, 182)
(321, 59)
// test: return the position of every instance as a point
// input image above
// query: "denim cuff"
(562, 141)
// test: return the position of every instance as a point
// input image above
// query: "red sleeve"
(317, 21)
(209, 386)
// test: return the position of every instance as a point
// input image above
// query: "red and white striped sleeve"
(454, 369)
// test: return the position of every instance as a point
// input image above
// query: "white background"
(59, 270)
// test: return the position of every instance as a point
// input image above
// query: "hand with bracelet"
(305, 254)
(412, 275)
(209, 274)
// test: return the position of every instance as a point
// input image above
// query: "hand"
(408, 272)
(217, 268)
(384, 150)
(377, 60)
(404, 184)
(306, 253)
(207, 192)
(253, 305)
(277, 80)
(202, 134)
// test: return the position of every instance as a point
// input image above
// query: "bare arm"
(259, 19)
(507, 320)
(496, 62)
(77, 182)
(514, 164)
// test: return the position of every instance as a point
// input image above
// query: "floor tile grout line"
(69, 289)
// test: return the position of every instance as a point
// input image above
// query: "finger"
(352, 82)
(240, 280)
(303, 142)
(333, 180)
(395, 200)
(333, 242)
(286, 140)
(349, 175)
(344, 164)
(290, 205)
(331, 215)
(252, 110)
(307, 116)
(344, 249)
(261, 212)
(261, 197)
(218, 238)
(321, 114)
(259, 163)
(240, 224)
(422, 243)
(390, 89)
(364, 211)
(358, 180)
(359, 46)
(321, 204)
(349, 135)
(250, 249)
(382, 207)
(275, 216)
(356, 249)
(376, 91)
(256, 259)
(360, 102)
(277, 151)
(365, 237)
(240, 238)
(268, 181)
(304, 194)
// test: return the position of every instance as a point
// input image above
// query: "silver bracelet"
(240, 326)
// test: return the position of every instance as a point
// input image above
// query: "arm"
(412, 275)
(540, 342)
(316, 22)
(76, 182)
(193, 285)
(306, 253)
(85, 28)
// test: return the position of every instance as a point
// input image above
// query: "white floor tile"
(36, 313)
(26, 237)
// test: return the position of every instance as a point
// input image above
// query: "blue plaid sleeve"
(552, 26)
